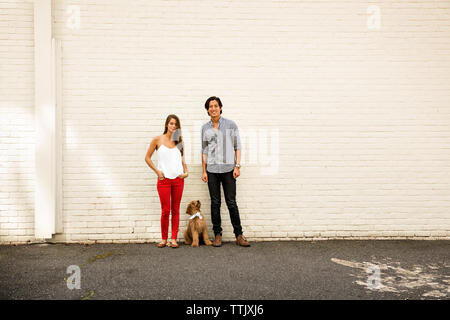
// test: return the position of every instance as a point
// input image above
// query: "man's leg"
(214, 193)
(229, 190)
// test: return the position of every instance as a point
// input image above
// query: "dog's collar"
(196, 215)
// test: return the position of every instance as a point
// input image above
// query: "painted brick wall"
(345, 123)
(16, 121)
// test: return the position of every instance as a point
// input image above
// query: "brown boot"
(241, 241)
(217, 241)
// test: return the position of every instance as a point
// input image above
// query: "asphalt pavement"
(285, 270)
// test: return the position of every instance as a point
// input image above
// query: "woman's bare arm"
(148, 156)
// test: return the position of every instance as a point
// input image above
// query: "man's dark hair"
(211, 99)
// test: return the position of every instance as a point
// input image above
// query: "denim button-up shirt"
(220, 146)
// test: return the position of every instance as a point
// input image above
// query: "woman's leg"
(163, 187)
(177, 193)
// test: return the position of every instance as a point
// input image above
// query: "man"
(221, 156)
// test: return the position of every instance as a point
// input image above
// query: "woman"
(171, 172)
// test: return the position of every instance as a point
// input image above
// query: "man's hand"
(236, 172)
(205, 177)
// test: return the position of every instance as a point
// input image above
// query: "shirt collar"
(220, 121)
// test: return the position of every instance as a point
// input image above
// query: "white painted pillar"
(45, 195)
(57, 85)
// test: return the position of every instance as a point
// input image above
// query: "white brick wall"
(362, 115)
(16, 121)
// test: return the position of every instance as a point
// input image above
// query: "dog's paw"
(194, 245)
(208, 243)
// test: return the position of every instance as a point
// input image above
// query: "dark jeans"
(229, 190)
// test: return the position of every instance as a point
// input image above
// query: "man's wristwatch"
(238, 165)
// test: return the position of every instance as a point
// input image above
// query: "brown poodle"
(196, 230)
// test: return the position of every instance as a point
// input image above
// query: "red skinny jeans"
(170, 192)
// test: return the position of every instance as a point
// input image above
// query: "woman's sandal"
(174, 245)
(162, 244)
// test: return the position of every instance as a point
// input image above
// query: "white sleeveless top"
(169, 161)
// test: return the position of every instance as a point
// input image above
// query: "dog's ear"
(189, 209)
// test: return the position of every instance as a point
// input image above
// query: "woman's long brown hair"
(179, 141)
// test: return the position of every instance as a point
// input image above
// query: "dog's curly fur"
(196, 230)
